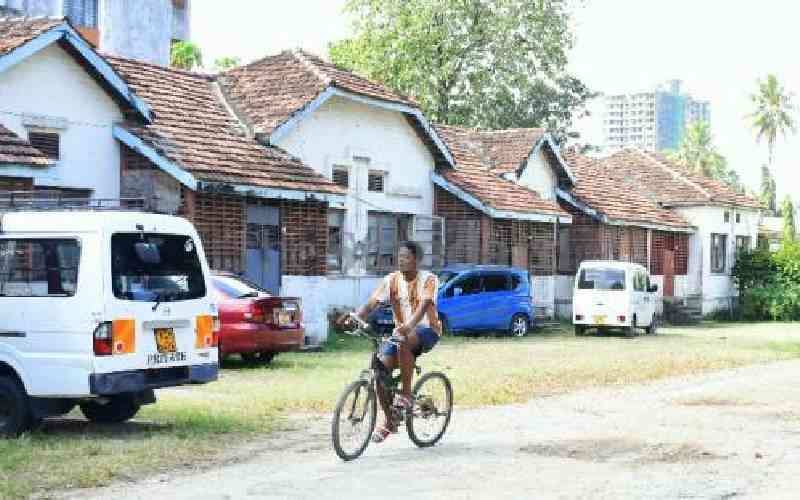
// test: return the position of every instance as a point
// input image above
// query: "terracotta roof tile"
(670, 184)
(193, 129)
(507, 150)
(16, 31)
(473, 175)
(612, 196)
(269, 91)
(16, 150)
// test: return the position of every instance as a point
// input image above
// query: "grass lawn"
(194, 425)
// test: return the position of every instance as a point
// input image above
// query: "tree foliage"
(226, 63)
(186, 55)
(787, 211)
(769, 283)
(698, 154)
(769, 190)
(482, 63)
(774, 112)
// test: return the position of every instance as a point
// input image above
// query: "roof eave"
(65, 33)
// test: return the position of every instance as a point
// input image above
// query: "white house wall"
(718, 290)
(539, 176)
(345, 134)
(52, 91)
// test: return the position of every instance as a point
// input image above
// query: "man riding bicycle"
(412, 295)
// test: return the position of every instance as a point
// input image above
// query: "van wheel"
(580, 330)
(630, 331)
(117, 410)
(15, 411)
(519, 326)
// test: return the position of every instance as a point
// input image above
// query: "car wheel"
(118, 409)
(15, 411)
(519, 326)
(266, 358)
(445, 326)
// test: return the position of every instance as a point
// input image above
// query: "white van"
(97, 309)
(610, 294)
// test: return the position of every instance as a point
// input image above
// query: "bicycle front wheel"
(354, 420)
(433, 406)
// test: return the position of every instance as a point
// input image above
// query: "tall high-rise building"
(654, 120)
(137, 29)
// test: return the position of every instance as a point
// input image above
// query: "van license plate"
(600, 320)
(165, 340)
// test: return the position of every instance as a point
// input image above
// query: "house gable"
(23, 38)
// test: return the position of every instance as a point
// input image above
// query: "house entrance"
(264, 247)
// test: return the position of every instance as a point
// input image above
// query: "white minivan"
(98, 309)
(611, 294)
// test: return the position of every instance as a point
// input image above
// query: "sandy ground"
(732, 434)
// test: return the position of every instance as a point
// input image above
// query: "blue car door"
(459, 303)
(496, 301)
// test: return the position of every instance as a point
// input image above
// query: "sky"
(718, 48)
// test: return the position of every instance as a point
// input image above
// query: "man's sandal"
(381, 433)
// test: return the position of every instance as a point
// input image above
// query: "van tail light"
(579, 317)
(621, 318)
(115, 337)
(103, 342)
(206, 332)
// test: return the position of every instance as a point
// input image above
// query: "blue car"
(477, 298)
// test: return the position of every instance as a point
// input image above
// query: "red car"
(253, 323)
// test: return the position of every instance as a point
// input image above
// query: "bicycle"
(356, 408)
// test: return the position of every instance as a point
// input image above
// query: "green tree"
(186, 55)
(768, 193)
(698, 154)
(774, 112)
(226, 63)
(482, 63)
(787, 210)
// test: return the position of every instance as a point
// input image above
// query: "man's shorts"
(427, 340)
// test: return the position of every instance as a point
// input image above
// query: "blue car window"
(469, 285)
(495, 283)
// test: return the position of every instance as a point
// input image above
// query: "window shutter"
(375, 181)
(46, 142)
(341, 177)
(429, 233)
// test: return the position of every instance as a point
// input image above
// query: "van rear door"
(159, 310)
(601, 296)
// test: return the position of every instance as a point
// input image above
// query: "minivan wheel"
(15, 412)
(519, 326)
(653, 328)
(580, 330)
(117, 410)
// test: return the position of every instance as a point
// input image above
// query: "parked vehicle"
(477, 298)
(98, 309)
(254, 323)
(610, 294)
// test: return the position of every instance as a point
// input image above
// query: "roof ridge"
(205, 76)
(676, 175)
(303, 59)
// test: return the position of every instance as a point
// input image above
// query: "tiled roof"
(269, 91)
(194, 130)
(16, 150)
(670, 184)
(611, 196)
(473, 175)
(507, 150)
(16, 31)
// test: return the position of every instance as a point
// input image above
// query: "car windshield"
(445, 277)
(237, 288)
(600, 278)
(152, 267)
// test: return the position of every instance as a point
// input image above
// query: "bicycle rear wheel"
(433, 406)
(354, 420)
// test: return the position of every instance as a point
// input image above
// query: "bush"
(769, 283)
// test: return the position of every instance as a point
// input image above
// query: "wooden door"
(669, 273)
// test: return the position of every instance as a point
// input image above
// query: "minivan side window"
(639, 281)
(469, 285)
(39, 267)
(495, 283)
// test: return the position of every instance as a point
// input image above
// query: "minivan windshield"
(168, 269)
(601, 278)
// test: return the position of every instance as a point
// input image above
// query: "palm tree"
(186, 55)
(774, 112)
(698, 154)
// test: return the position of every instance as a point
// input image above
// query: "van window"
(495, 283)
(38, 267)
(601, 279)
(469, 285)
(639, 282)
(515, 281)
(170, 272)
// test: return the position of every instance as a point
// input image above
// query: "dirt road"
(733, 434)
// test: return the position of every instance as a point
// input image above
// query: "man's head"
(408, 256)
